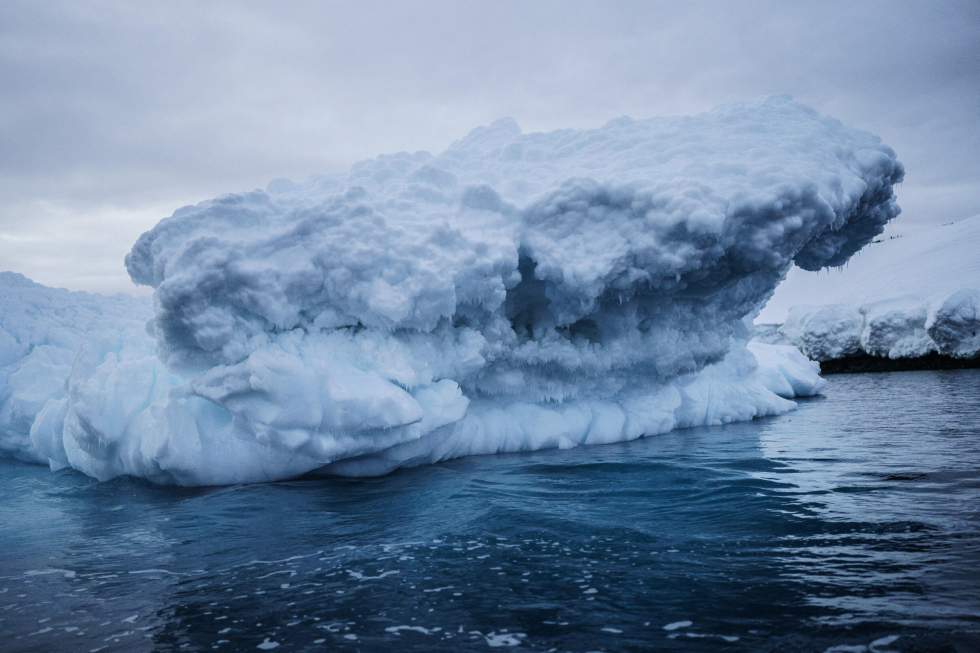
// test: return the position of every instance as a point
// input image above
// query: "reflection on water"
(851, 524)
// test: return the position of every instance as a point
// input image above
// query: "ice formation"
(49, 336)
(901, 327)
(907, 295)
(518, 291)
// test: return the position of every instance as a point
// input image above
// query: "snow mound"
(955, 326)
(902, 327)
(516, 292)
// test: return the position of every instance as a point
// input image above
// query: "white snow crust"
(927, 262)
(516, 292)
(955, 326)
(901, 327)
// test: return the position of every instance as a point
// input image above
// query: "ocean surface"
(851, 524)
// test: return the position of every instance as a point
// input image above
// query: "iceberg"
(516, 292)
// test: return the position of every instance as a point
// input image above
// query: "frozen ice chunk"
(516, 292)
(589, 234)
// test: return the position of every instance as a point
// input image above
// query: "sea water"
(851, 524)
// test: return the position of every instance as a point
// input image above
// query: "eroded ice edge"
(900, 327)
(516, 292)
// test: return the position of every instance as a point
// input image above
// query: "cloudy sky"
(113, 114)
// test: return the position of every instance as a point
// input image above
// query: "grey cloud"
(114, 113)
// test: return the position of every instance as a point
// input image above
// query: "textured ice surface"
(902, 327)
(81, 386)
(955, 326)
(516, 292)
(825, 332)
(48, 336)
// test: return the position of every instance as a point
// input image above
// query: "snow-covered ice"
(955, 326)
(900, 327)
(926, 261)
(516, 292)
(49, 337)
(906, 295)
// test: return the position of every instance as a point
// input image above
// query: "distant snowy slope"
(925, 261)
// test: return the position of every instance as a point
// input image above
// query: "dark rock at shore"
(866, 363)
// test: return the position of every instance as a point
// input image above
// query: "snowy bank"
(516, 292)
(924, 261)
(902, 328)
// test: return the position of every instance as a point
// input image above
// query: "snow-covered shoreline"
(923, 262)
(907, 301)
(902, 333)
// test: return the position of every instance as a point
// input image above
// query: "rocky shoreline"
(863, 363)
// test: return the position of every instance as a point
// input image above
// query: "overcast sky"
(113, 114)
